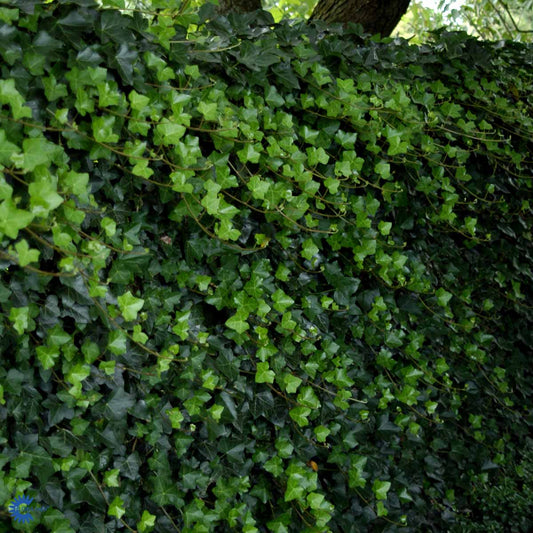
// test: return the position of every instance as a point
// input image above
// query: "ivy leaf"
(47, 355)
(20, 317)
(300, 414)
(179, 180)
(408, 395)
(316, 155)
(176, 417)
(470, 224)
(308, 398)
(443, 297)
(103, 129)
(291, 383)
(226, 231)
(294, 490)
(193, 71)
(138, 335)
(273, 98)
(108, 367)
(78, 373)
(309, 249)
(281, 301)
(111, 478)
(238, 323)
(7, 149)
(25, 254)
(118, 404)
(263, 374)
(117, 342)
(90, 351)
(384, 227)
(130, 305)
(146, 523)
(404, 495)
(125, 60)
(216, 412)
(168, 133)
(366, 248)
(321, 433)
(43, 197)
(181, 327)
(116, 508)
(314, 499)
(380, 489)
(381, 509)
(109, 226)
(208, 110)
(383, 169)
(274, 465)
(258, 187)
(211, 201)
(12, 219)
(138, 101)
(10, 95)
(76, 183)
(58, 337)
(332, 184)
(250, 153)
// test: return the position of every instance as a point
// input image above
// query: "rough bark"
(376, 16)
(238, 6)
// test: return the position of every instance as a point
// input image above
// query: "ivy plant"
(262, 277)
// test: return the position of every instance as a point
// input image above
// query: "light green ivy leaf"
(10, 95)
(380, 489)
(25, 254)
(300, 414)
(43, 197)
(146, 523)
(176, 417)
(238, 323)
(111, 478)
(117, 342)
(12, 219)
(116, 508)
(443, 297)
(130, 305)
(263, 373)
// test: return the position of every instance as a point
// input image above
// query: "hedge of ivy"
(261, 277)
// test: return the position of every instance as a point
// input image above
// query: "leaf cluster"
(261, 277)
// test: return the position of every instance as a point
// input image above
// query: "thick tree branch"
(376, 16)
(238, 6)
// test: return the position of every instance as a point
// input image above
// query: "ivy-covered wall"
(262, 278)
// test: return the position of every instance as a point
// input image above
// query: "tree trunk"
(238, 6)
(376, 16)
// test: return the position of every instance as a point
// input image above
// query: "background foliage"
(486, 19)
(262, 278)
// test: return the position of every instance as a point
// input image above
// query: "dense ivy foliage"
(262, 277)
